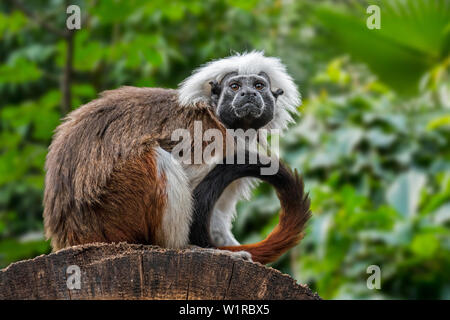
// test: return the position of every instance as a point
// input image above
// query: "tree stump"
(130, 271)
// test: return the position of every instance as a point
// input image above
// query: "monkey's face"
(244, 101)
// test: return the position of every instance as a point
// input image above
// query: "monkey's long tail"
(294, 213)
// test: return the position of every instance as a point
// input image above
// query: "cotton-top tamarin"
(112, 175)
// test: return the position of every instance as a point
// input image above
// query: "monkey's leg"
(225, 211)
(220, 229)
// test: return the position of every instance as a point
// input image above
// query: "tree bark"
(128, 271)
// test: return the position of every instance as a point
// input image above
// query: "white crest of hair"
(196, 88)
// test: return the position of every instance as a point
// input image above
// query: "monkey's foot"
(244, 255)
(223, 238)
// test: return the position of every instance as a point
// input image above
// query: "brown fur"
(102, 182)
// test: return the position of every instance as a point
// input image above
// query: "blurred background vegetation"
(372, 138)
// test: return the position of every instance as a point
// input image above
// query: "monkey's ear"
(277, 93)
(215, 87)
(215, 92)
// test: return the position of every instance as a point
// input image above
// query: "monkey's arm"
(293, 216)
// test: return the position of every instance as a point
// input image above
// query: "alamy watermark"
(73, 21)
(374, 20)
(374, 280)
(73, 277)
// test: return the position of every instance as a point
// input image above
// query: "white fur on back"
(196, 88)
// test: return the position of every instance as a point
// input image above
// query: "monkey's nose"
(248, 93)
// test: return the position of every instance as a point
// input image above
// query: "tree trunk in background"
(66, 77)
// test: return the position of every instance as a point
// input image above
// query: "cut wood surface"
(129, 271)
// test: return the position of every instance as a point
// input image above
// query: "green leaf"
(425, 245)
(412, 39)
(442, 121)
(12, 23)
(19, 70)
(404, 193)
(378, 138)
(442, 215)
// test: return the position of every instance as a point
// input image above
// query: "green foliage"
(14, 250)
(382, 178)
(379, 181)
(376, 163)
(413, 38)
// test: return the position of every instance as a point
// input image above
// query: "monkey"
(111, 175)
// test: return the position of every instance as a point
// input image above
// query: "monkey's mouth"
(248, 110)
(249, 115)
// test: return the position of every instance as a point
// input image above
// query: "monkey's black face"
(244, 101)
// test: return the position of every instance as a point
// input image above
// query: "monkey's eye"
(234, 86)
(259, 86)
